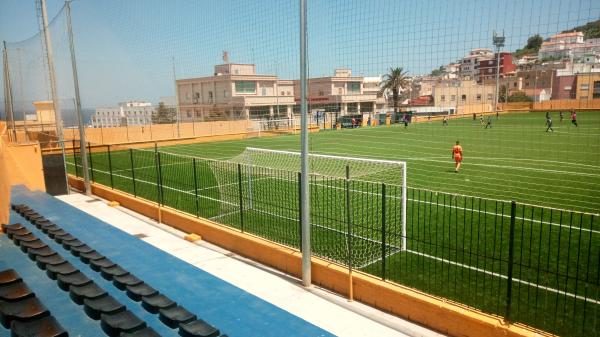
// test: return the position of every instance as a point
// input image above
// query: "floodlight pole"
(304, 174)
(82, 141)
(177, 100)
(499, 43)
(55, 102)
(8, 93)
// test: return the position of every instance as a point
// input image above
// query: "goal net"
(261, 127)
(349, 197)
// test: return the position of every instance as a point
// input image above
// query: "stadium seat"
(86, 257)
(34, 244)
(17, 239)
(77, 278)
(94, 307)
(53, 260)
(9, 276)
(123, 281)
(109, 272)
(174, 316)
(63, 237)
(81, 249)
(52, 233)
(68, 244)
(124, 321)
(136, 292)
(44, 251)
(15, 291)
(198, 328)
(65, 268)
(21, 231)
(40, 223)
(50, 227)
(154, 303)
(145, 332)
(24, 310)
(46, 326)
(97, 265)
(86, 291)
(13, 226)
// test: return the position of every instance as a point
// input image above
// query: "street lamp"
(498, 41)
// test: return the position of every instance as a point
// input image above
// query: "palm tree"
(394, 81)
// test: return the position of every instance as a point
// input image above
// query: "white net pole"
(404, 247)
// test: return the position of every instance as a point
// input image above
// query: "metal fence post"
(511, 244)
(161, 192)
(110, 169)
(196, 188)
(300, 210)
(91, 162)
(132, 171)
(383, 231)
(241, 197)
(74, 157)
(349, 230)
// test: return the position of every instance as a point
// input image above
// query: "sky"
(129, 50)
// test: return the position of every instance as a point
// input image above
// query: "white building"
(127, 113)
(569, 45)
(469, 64)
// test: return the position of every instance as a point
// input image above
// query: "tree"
(438, 72)
(591, 30)
(164, 114)
(395, 81)
(519, 96)
(532, 47)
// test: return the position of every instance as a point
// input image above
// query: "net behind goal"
(349, 198)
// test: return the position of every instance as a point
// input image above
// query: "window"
(321, 93)
(490, 97)
(596, 93)
(340, 91)
(289, 93)
(282, 93)
(210, 97)
(479, 97)
(567, 87)
(526, 84)
(353, 87)
(264, 91)
(463, 98)
(452, 97)
(443, 98)
(189, 114)
(198, 114)
(225, 93)
(245, 87)
(489, 70)
(585, 86)
(515, 85)
(583, 97)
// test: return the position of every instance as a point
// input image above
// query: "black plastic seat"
(52, 233)
(97, 265)
(81, 249)
(68, 244)
(198, 328)
(35, 244)
(65, 268)
(42, 222)
(110, 272)
(17, 239)
(43, 251)
(63, 237)
(35, 218)
(13, 226)
(15, 291)
(53, 260)
(42, 327)
(156, 302)
(47, 228)
(9, 276)
(123, 281)
(29, 214)
(90, 291)
(25, 310)
(77, 278)
(124, 321)
(136, 292)
(176, 315)
(145, 332)
(15, 207)
(85, 257)
(94, 307)
(21, 231)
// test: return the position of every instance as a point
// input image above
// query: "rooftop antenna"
(225, 56)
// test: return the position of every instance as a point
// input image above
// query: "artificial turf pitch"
(458, 224)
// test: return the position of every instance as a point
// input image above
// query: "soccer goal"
(273, 126)
(349, 197)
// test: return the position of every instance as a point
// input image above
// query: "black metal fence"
(529, 264)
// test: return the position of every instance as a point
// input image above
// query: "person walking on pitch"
(445, 121)
(489, 122)
(457, 155)
(573, 117)
(549, 123)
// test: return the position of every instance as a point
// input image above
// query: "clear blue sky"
(125, 48)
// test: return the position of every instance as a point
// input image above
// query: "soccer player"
(445, 121)
(405, 120)
(489, 122)
(573, 117)
(481, 119)
(457, 155)
(549, 123)
(562, 116)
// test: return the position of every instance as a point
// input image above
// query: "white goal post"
(283, 126)
(390, 172)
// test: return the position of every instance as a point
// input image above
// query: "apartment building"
(468, 65)
(464, 96)
(487, 67)
(126, 113)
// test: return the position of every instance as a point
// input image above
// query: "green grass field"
(458, 225)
